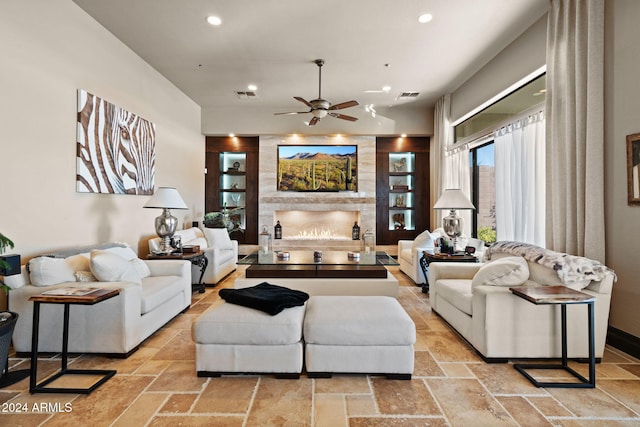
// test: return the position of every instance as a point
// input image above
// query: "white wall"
(51, 48)
(622, 113)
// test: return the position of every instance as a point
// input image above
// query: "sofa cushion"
(85, 276)
(457, 292)
(509, 271)
(46, 271)
(357, 321)
(110, 267)
(156, 291)
(234, 324)
(218, 237)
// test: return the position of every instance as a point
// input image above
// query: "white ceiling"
(273, 43)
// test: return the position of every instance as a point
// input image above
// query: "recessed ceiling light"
(252, 87)
(386, 88)
(424, 18)
(214, 20)
(232, 135)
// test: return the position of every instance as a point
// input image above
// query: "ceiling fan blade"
(304, 101)
(343, 117)
(292, 113)
(343, 105)
(314, 121)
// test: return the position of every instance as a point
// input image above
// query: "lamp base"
(166, 225)
(452, 225)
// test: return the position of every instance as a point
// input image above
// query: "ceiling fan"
(321, 107)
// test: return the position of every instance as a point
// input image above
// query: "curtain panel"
(520, 180)
(575, 128)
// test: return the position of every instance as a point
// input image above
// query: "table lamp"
(166, 198)
(453, 198)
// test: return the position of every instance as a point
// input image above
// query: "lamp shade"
(453, 198)
(166, 198)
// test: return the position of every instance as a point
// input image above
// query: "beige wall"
(525, 55)
(51, 48)
(622, 117)
(250, 120)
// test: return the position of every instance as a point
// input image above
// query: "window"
(478, 133)
(483, 192)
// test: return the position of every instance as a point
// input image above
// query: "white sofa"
(410, 252)
(501, 325)
(116, 326)
(220, 250)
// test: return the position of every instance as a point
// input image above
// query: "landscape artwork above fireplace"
(320, 168)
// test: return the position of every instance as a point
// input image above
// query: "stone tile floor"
(451, 386)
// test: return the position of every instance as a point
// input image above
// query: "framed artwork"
(115, 149)
(321, 168)
(633, 169)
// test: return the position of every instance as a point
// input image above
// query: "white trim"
(540, 71)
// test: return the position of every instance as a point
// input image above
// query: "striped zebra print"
(115, 149)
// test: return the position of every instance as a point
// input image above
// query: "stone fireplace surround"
(361, 203)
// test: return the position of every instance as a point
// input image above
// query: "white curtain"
(575, 127)
(442, 131)
(519, 150)
(457, 174)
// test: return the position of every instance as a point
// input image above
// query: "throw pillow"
(141, 267)
(85, 276)
(46, 271)
(110, 267)
(218, 238)
(126, 253)
(424, 240)
(509, 271)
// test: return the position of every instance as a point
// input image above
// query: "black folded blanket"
(266, 297)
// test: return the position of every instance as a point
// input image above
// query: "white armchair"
(220, 250)
(410, 252)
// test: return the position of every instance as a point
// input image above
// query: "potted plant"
(7, 323)
(5, 243)
(223, 219)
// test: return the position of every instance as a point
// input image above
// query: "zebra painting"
(115, 149)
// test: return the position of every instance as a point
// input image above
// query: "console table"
(195, 258)
(91, 298)
(561, 295)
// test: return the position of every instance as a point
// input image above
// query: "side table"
(91, 298)
(561, 295)
(196, 258)
(427, 258)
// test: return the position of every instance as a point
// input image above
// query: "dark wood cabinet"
(231, 181)
(402, 188)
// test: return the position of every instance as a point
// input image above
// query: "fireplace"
(316, 225)
(312, 220)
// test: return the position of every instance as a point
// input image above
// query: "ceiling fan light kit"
(320, 107)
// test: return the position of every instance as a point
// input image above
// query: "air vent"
(408, 94)
(245, 94)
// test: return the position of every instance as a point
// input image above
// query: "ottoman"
(234, 339)
(358, 334)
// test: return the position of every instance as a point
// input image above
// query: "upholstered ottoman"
(358, 334)
(235, 339)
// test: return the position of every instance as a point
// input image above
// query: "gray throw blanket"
(266, 297)
(570, 268)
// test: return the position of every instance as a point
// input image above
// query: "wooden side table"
(427, 258)
(561, 295)
(92, 298)
(196, 258)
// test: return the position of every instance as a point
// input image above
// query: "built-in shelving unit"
(402, 178)
(231, 182)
